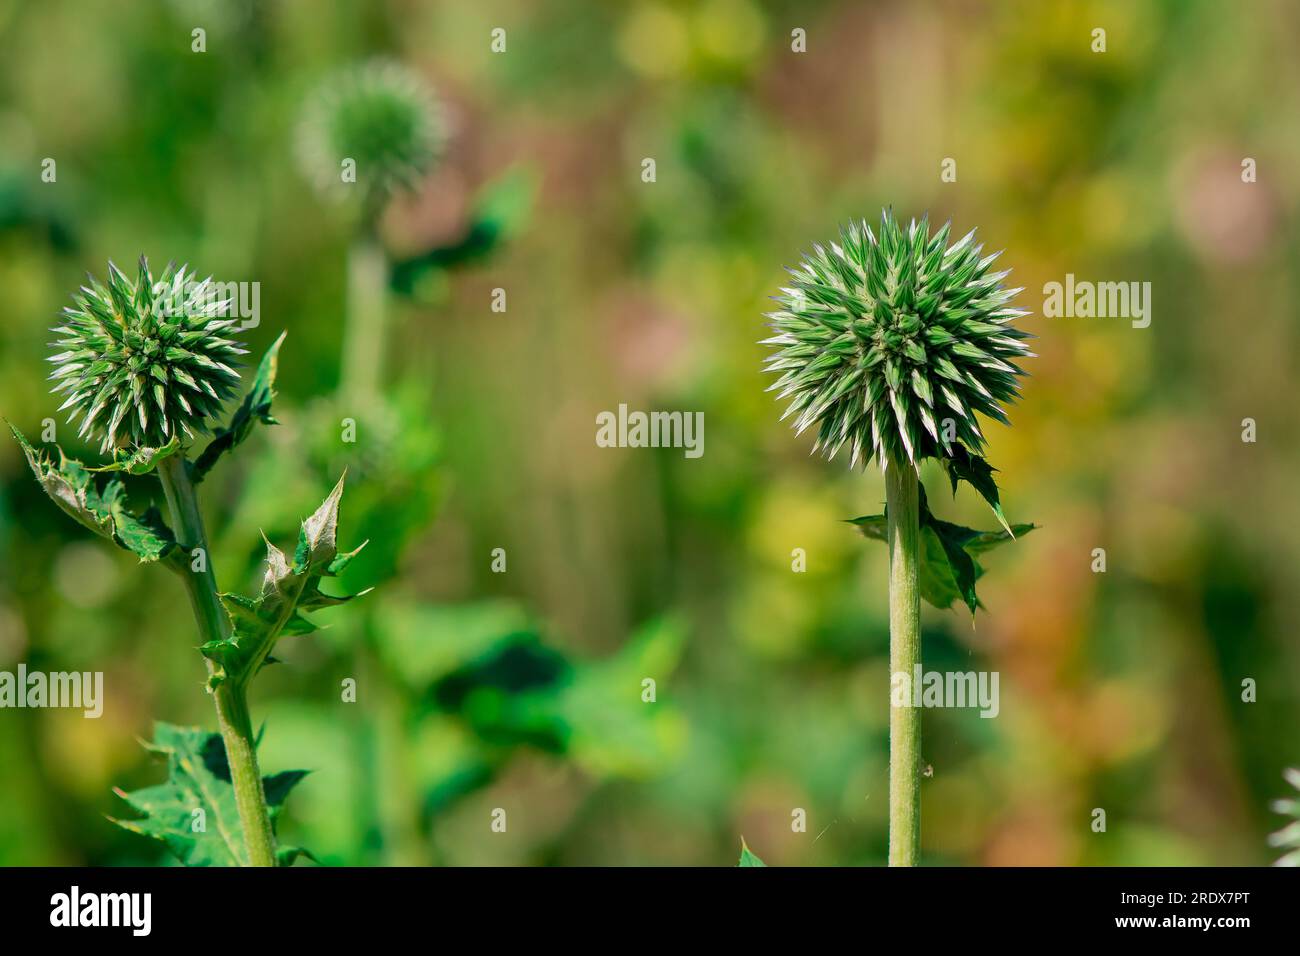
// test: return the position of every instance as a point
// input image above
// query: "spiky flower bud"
(1288, 838)
(882, 340)
(148, 361)
(381, 116)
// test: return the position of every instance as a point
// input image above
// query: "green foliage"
(147, 362)
(962, 465)
(288, 589)
(488, 665)
(747, 856)
(501, 211)
(880, 340)
(72, 486)
(165, 337)
(198, 778)
(949, 569)
(256, 407)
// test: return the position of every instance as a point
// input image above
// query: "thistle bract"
(890, 343)
(1288, 838)
(145, 362)
(379, 115)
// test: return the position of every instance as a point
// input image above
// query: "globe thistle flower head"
(1288, 838)
(380, 115)
(145, 362)
(891, 343)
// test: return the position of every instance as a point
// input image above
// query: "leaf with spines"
(963, 465)
(288, 590)
(73, 487)
(256, 407)
(198, 778)
(949, 569)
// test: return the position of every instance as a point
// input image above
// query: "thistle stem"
(365, 336)
(230, 696)
(902, 505)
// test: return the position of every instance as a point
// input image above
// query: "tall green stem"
(903, 507)
(365, 337)
(231, 700)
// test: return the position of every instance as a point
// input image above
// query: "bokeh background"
(522, 690)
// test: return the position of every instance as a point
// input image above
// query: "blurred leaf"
(198, 778)
(611, 729)
(255, 408)
(73, 488)
(424, 643)
(747, 856)
(501, 210)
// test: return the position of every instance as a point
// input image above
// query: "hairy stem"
(365, 336)
(903, 509)
(231, 700)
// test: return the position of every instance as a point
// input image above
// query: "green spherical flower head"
(891, 343)
(145, 361)
(381, 116)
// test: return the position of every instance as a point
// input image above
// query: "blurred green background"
(522, 690)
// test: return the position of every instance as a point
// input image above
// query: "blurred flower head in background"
(379, 116)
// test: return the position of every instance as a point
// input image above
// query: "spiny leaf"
(73, 488)
(747, 856)
(255, 408)
(962, 465)
(287, 590)
(949, 569)
(198, 778)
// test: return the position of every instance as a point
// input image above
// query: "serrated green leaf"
(963, 465)
(256, 623)
(74, 489)
(146, 536)
(198, 778)
(949, 570)
(747, 856)
(256, 407)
